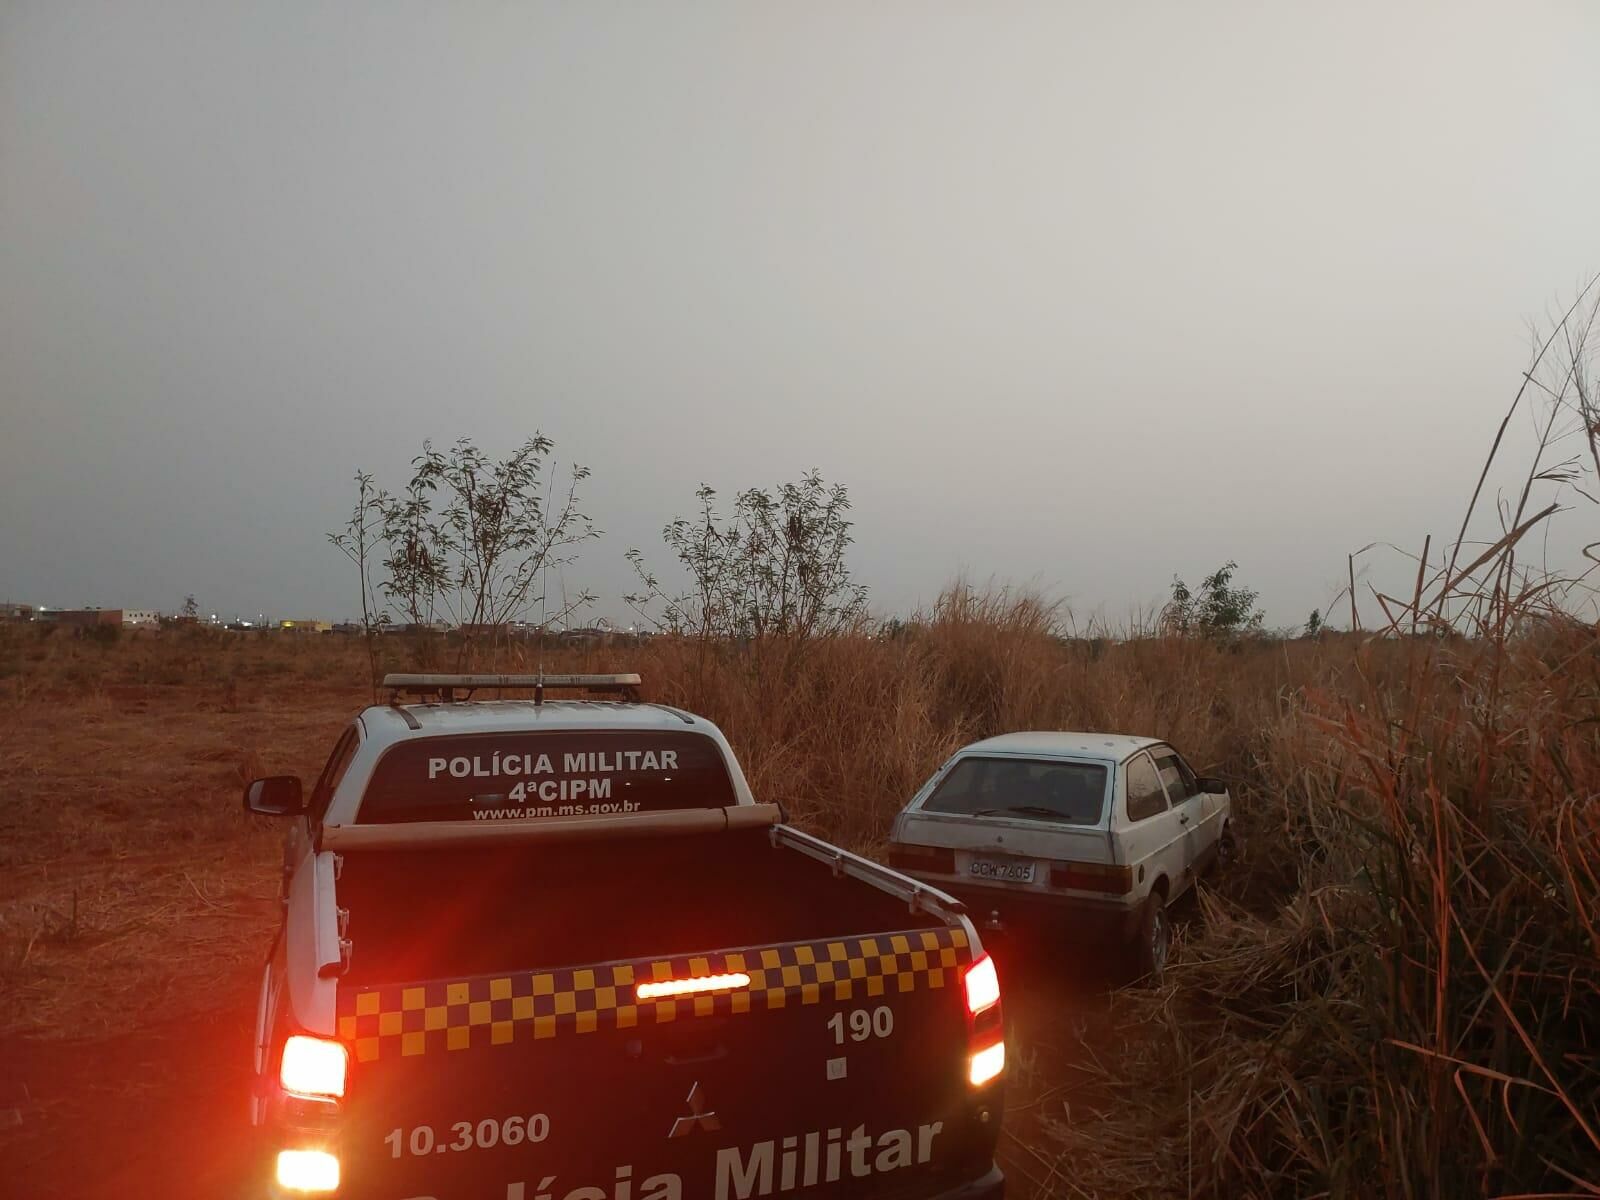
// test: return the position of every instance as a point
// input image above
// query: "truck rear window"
(529, 776)
(1068, 792)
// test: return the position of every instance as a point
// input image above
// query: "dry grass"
(1396, 996)
(1423, 1016)
(131, 876)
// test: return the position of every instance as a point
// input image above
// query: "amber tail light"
(308, 1171)
(1092, 877)
(939, 860)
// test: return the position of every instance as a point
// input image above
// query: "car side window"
(1175, 774)
(1191, 781)
(338, 763)
(1145, 795)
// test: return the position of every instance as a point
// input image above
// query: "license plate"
(1007, 872)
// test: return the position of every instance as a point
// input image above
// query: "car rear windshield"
(530, 776)
(1068, 792)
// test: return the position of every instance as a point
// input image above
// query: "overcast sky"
(1083, 294)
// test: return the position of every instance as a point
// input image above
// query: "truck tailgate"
(838, 1067)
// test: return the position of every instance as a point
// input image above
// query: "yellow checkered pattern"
(496, 1010)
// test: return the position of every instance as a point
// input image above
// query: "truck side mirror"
(1212, 786)
(275, 796)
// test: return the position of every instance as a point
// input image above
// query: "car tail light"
(1092, 877)
(308, 1171)
(938, 860)
(983, 985)
(313, 1066)
(986, 1046)
(986, 1064)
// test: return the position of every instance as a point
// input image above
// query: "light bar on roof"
(431, 683)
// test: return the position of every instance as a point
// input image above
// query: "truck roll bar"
(421, 835)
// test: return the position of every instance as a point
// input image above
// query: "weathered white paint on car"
(1162, 851)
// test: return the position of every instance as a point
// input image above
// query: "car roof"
(1049, 743)
(398, 722)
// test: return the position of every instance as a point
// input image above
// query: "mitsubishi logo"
(698, 1117)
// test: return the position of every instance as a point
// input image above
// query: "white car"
(1100, 832)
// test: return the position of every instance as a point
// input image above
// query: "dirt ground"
(137, 901)
(157, 1112)
(136, 904)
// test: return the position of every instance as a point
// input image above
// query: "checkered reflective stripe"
(494, 1010)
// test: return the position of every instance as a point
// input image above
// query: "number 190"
(863, 1024)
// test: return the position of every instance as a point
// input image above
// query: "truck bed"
(503, 908)
(491, 1008)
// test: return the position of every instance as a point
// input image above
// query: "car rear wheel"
(1227, 849)
(1153, 944)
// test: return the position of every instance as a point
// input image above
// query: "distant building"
(427, 627)
(305, 626)
(16, 612)
(592, 636)
(146, 617)
(517, 630)
(80, 617)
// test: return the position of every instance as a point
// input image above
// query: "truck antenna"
(544, 619)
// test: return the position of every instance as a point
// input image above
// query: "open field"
(1398, 992)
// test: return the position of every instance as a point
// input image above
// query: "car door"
(1152, 839)
(1187, 807)
(297, 843)
(297, 851)
(1213, 812)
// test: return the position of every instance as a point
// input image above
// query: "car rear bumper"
(987, 1187)
(999, 907)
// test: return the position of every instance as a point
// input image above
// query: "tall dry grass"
(1421, 1015)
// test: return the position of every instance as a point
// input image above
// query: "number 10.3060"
(464, 1135)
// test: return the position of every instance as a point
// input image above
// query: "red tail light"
(1092, 877)
(983, 985)
(986, 1046)
(937, 860)
(313, 1066)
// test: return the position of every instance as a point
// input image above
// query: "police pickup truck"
(555, 950)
